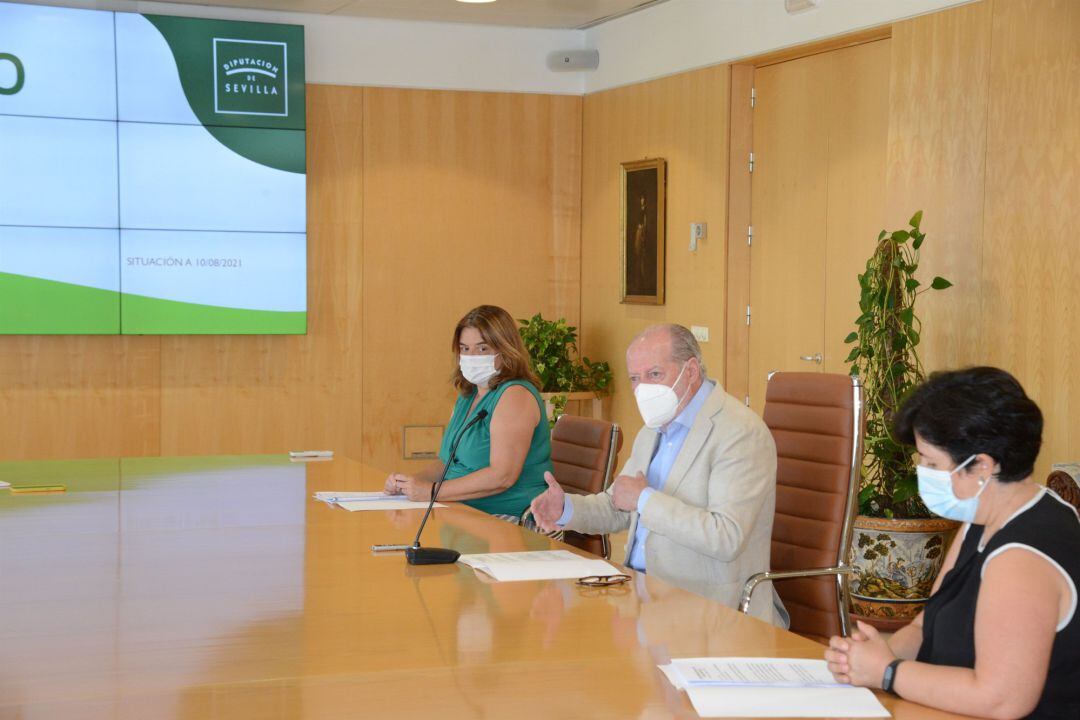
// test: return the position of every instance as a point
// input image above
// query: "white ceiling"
(564, 14)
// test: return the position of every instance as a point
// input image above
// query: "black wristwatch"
(889, 678)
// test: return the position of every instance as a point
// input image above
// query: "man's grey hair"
(683, 343)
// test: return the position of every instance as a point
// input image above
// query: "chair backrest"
(1065, 486)
(816, 421)
(583, 453)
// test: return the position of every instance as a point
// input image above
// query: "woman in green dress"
(500, 461)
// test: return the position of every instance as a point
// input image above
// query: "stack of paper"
(353, 501)
(768, 687)
(538, 565)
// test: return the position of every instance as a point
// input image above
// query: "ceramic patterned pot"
(896, 563)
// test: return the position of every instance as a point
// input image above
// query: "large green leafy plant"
(885, 359)
(552, 346)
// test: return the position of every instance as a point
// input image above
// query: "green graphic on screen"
(154, 174)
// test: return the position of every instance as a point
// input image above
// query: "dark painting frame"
(643, 236)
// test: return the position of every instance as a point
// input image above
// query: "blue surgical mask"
(936, 491)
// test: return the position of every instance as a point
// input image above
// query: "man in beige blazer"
(699, 489)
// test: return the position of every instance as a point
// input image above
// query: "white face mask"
(936, 491)
(658, 403)
(477, 369)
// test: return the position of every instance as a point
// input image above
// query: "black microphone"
(417, 555)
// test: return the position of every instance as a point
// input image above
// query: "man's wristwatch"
(889, 678)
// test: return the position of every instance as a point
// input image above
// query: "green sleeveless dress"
(474, 452)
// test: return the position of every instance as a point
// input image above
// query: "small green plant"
(885, 360)
(552, 346)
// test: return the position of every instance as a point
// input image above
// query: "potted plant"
(898, 545)
(552, 346)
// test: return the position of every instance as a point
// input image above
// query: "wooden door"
(789, 196)
(858, 136)
(820, 130)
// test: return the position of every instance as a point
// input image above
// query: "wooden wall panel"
(564, 267)
(984, 137)
(684, 119)
(736, 337)
(1029, 263)
(937, 162)
(256, 394)
(422, 204)
(858, 110)
(471, 198)
(78, 396)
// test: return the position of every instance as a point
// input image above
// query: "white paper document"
(4, 484)
(769, 672)
(376, 500)
(815, 702)
(538, 565)
(334, 496)
(760, 687)
(396, 502)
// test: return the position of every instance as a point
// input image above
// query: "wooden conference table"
(216, 587)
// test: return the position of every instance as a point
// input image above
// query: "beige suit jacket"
(710, 525)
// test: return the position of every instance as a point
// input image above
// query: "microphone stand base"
(431, 556)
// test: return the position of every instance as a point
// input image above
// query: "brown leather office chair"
(817, 423)
(583, 454)
(1064, 484)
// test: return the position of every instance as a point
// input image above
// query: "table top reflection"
(216, 587)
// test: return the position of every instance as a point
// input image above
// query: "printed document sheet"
(769, 687)
(770, 672)
(354, 501)
(539, 565)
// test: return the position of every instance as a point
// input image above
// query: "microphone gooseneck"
(417, 555)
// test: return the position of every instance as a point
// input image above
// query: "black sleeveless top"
(1049, 526)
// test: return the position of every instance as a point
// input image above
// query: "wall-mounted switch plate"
(697, 232)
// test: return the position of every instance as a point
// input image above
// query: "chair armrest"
(769, 576)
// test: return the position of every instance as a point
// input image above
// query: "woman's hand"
(860, 659)
(413, 488)
(836, 657)
(394, 482)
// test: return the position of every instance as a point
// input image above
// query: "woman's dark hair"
(977, 410)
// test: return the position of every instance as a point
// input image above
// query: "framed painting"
(644, 186)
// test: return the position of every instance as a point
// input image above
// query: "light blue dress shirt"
(670, 442)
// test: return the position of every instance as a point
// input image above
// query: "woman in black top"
(999, 637)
